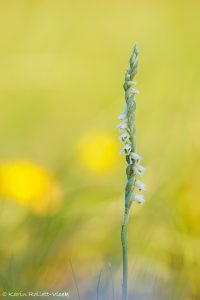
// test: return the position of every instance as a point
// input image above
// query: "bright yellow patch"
(98, 151)
(29, 185)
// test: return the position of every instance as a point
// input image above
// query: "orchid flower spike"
(133, 159)
(128, 138)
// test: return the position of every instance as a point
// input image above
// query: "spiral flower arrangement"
(134, 169)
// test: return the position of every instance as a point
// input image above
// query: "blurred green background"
(62, 67)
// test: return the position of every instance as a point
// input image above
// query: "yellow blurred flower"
(30, 185)
(98, 151)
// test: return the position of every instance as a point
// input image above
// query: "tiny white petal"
(122, 151)
(139, 170)
(124, 138)
(139, 198)
(127, 148)
(140, 185)
(136, 171)
(122, 126)
(133, 91)
(131, 82)
(122, 116)
(136, 156)
(125, 135)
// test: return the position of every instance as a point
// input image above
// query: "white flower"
(131, 83)
(139, 170)
(136, 156)
(122, 116)
(140, 185)
(133, 91)
(122, 151)
(122, 126)
(127, 148)
(125, 138)
(139, 198)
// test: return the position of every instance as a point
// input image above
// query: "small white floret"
(122, 126)
(140, 185)
(122, 151)
(136, 156)
(127, 148)
(124, 138)
(133, 91)
(136, 171)
(139, 170)
(139, 198)
(122, 116)
(131, 83)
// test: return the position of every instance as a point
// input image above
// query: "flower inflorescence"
(128, 136)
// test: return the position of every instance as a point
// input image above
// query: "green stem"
(125, 254)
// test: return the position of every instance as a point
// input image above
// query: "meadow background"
(62, 67)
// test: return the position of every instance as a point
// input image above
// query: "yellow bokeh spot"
(98, 152)
(30, 185)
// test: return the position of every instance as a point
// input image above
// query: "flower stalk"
(128, 138)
